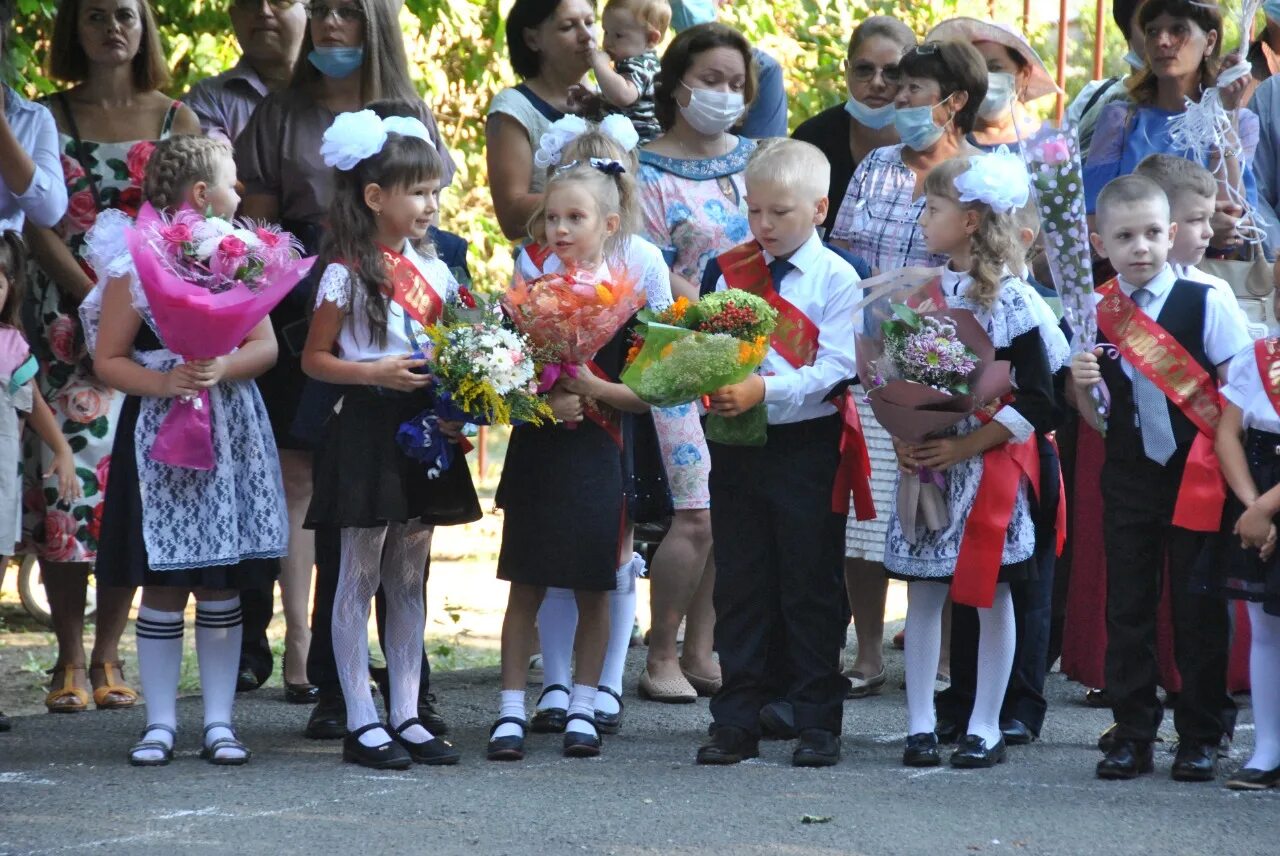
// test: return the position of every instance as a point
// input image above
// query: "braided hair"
(179, 162)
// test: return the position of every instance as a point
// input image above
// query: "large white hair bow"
(999, 179)
(566, 129)
(355, 136)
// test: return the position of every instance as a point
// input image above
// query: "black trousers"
(257, 605)
(779, 575)
(322, 670)
(1138, 501)
(1032, 612)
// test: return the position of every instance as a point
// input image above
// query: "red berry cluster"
(737, 321)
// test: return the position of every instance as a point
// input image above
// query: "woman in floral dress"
(111, 53)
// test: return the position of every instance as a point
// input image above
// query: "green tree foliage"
(457, 53)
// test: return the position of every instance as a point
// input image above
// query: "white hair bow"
(999, 179)
(566, 129)
(355, 136)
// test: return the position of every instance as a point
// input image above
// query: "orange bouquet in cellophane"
(568, 317)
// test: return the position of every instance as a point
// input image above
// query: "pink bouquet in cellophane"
(208, 282)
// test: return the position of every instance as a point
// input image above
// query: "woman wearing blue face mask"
(352, 55)
(847, 132)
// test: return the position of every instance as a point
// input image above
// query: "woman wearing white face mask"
(1015, 76)
(847, 132)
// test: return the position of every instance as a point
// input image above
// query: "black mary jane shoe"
(921, 750)
(1127, 759)
(1195, 762)
(578, 744)
(436, 752)
(247, 680)
(553, 719)
(431, 718)
(818, 748)
(301, 693)
(328, 720)
(507, 748)
(948, 732)
(778, 721)
(610, 723)
(1253, 779)
(972, 753)
(1016, 733)
(728, 744)
(385, 756)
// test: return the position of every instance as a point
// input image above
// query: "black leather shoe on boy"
(328, 719)
(507, 748)
(921, 750)
(778, 721)
(430, 716)
(385, 756)
(728, 744)
(553, 719)
(1016, 733)
(610, 723)
(436, 752)
(1127, 759)
(972, 753)
(578, 744)
(818, 748)
(1195, 762)
(1252, 779)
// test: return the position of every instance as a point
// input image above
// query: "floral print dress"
(85, 408)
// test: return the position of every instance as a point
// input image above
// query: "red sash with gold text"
(1267, 353)
(410, 289)
(1161, 359)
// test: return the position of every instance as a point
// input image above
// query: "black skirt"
(122, 552)
(1014, 572)
(1225, 567)
(363, 479)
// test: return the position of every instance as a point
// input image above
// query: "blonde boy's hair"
(654, 14)
(1178, 175)
(796, 165)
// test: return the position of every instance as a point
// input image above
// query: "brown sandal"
(113, 694)
(67, 698)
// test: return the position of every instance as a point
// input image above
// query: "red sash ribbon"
(410, 289)
(795, 339)
(1267, 354)
(1161, 359)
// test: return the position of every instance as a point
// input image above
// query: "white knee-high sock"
(996, 642)
(403, 566)
(557, 626)
(512, 705)
(1264, 678)
(622, 616)
(925, 601)
(159, 668)
(582, 701)
(358, 577)
(218, 632)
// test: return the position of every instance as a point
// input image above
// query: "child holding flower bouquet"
(209, 527)
(376, 297)
(970, 218)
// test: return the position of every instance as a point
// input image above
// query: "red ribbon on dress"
(853, 477)
(410, 289)
(606, 417)
(1060, 523)
(1266, 352)
(1161, 359)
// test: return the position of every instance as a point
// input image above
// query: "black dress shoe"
(247, 680)
(553, 719)
(778, 721)
(1127, 759)
(430, 716)
(1107, 739)
(728, 744)
(436, 752)
(301, 693)
(972, 753)
(507, 748)
(1252, 779)
(385, 756)
(579, 744)
(818, 748)
(1097, 698)
(328, 720)
(921, 750)
(1195, 762)
(948, 732)
(1016, 733)
(610, 723)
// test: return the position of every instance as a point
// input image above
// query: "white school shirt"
(640, 258)
(1244, 389)
(825, 288)
(1194, 274)
(1224, 335)
(404, 334)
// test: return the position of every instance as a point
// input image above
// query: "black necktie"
(778, 269)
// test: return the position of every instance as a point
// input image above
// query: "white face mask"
(1134, 61)
(1000, 94)
(710, 111)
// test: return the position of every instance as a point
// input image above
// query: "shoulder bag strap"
(64, 103)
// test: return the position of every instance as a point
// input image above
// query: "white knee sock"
(557, 626)
(159, 667)
(582, 701)
(512, 705)
(218, 633)
(358, 577)
(403, 566)
(996, 642)
(925, 601)
(1264, 679)
(622, 616)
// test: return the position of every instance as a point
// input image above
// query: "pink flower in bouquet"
(230, 255)
(85, 404)
(130, 200)
(71, 170)
(176, 234)
(62, 339)
(1055, 151)
(59, 536)
(82, 212)
(102, 471)
(136, 161)
(270, 238)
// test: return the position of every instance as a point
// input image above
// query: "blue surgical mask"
(691, 13)
(916, 127)
(337, 62)
(874, 118)
(1001, 88)
(1134, 61)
